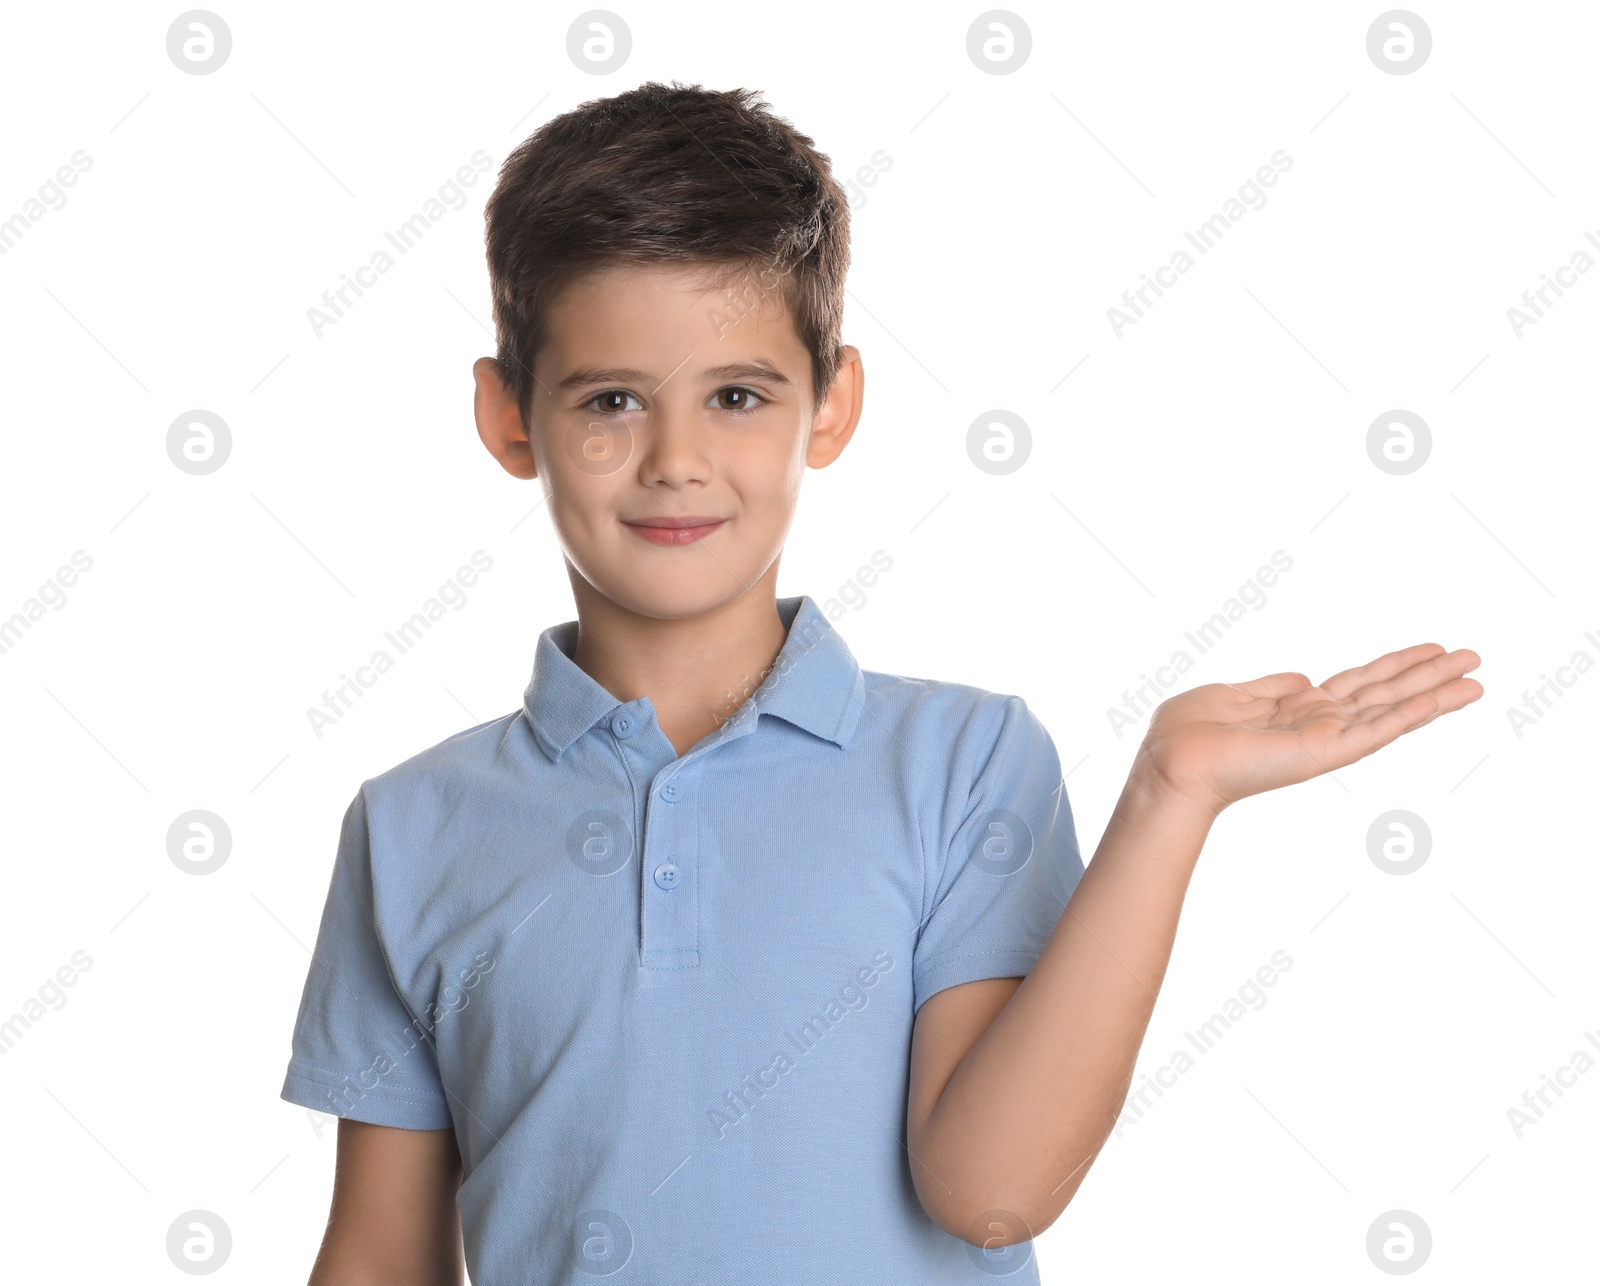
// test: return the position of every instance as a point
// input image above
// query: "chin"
(675, 598)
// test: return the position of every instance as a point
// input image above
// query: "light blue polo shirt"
(666, 1003)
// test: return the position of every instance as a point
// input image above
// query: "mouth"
(674, 531)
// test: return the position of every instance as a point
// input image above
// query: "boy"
(721, 960)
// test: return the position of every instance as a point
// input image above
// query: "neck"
(697, 670)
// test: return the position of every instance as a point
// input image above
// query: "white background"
(1227, 423)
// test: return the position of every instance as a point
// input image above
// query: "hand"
(1217, 744)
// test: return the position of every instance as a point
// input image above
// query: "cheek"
(775, 474)
(576, 449)
(577, 503)
(583, 467)
(797, 459)
(792, 451)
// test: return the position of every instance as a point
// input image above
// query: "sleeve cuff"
(381, 1106)
(971, 963)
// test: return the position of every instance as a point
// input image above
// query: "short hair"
(667, 175)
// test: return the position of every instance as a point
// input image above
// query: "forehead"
(718, 307)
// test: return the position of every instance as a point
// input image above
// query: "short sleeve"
(357, 1050)
(1010, 866)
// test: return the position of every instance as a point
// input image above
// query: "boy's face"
(662, 394)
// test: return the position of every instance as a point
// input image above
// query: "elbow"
(993, 1225)
(990, 1201)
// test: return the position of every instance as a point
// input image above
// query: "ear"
(499, 420)
(835, 420)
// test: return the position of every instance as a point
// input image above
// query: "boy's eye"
(746, 399)
(612, 402)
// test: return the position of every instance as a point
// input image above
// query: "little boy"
(722, 960)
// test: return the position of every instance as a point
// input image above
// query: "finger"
(1422, 677)
(1400, 718)
(1454, 695)
(1271, 686)
(1381, 725)
(1345, 682)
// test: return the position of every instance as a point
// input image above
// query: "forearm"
(1034, 1100)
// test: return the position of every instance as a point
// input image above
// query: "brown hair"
(667, 174)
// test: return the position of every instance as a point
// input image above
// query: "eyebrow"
(756, 370)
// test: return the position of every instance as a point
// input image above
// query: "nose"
(673, 449)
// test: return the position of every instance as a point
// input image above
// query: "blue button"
(623, 725)
(670, 792)
(667, 876)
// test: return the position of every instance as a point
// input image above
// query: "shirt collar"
(814, 684)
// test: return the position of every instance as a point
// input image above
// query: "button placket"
(669, 912)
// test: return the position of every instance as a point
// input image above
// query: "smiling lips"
(674, 531)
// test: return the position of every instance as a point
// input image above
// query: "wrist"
(1150, 791)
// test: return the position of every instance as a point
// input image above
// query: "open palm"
(1221, 742)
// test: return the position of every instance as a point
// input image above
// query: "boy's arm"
(394, 1220)
(1016, 1082)
(1014, 1087)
